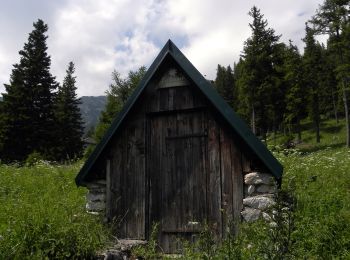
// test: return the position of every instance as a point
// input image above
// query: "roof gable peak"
(209, 92)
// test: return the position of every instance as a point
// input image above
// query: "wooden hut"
(179, 156)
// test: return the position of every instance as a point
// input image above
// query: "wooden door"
(178, 175)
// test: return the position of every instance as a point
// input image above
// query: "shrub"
(33, 158)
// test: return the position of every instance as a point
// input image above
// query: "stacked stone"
(259, 189)
(96, 196)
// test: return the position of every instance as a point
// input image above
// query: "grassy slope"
(321, 174)
(42, 212)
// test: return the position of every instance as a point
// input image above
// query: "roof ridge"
(209, 92)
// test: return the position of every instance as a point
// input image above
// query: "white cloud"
(100, 36)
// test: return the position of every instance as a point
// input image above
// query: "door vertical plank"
(238, 185)
(123, 186)
(226, 181)
(109, 213)
(214, 178)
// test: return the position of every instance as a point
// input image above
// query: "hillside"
(316, 177)
(91, 108)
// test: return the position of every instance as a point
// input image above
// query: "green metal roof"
(206, 88)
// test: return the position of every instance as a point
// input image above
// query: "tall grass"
(317, 180)
(322, 183)
(42, 214)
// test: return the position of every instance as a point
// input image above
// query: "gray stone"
(128, 244)
(258, 202)
(250, 214)
(101, 182)
(273, 224)
(263, 188)
(266, 216)
(95, 206)
(96, 191)
(111, 254)
(96, 185)
(120, 250)
(96, 196)
(251, 189)
(258, 178)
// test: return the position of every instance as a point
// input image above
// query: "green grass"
(316, 182)
(332, 135)
(322, 189)
(42, 214)
(320, 173)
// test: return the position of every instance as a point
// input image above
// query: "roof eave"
(79, 180)
(206, 88)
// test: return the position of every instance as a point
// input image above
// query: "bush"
(33, 158)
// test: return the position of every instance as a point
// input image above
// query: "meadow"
(320, 177)
(42, 212)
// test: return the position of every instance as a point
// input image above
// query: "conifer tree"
(242, 107)
(331, 93)
(258, 60)
(295, 95)
(69, 122)
(312, 64)
(117, 95)
(28, 116)
(332, 18)
(224, 84)
(276, 106)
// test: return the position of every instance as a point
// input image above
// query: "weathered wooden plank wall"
(173, 162)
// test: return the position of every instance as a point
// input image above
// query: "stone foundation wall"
(259, 189)
(96, 196)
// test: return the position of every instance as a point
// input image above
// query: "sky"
(100, 36)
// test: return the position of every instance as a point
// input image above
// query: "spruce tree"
(295, 95)
(332, 19)
(242, 107)
(68, 118)
(331, 94)
(257, 82)
(117, 95)
(28, 117)
(224, 84)
(312, 64)
(276, 106)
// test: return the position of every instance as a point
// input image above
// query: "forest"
(273, 87)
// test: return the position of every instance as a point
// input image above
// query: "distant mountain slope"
(91, 108)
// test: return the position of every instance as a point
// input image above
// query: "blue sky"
(100, 36)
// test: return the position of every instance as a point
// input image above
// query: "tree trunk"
(317, 127)
(346, 108)
(318, 138)
(298, 130)
(345, 94)
(316, 116)
(335, 108)
(253, 120)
